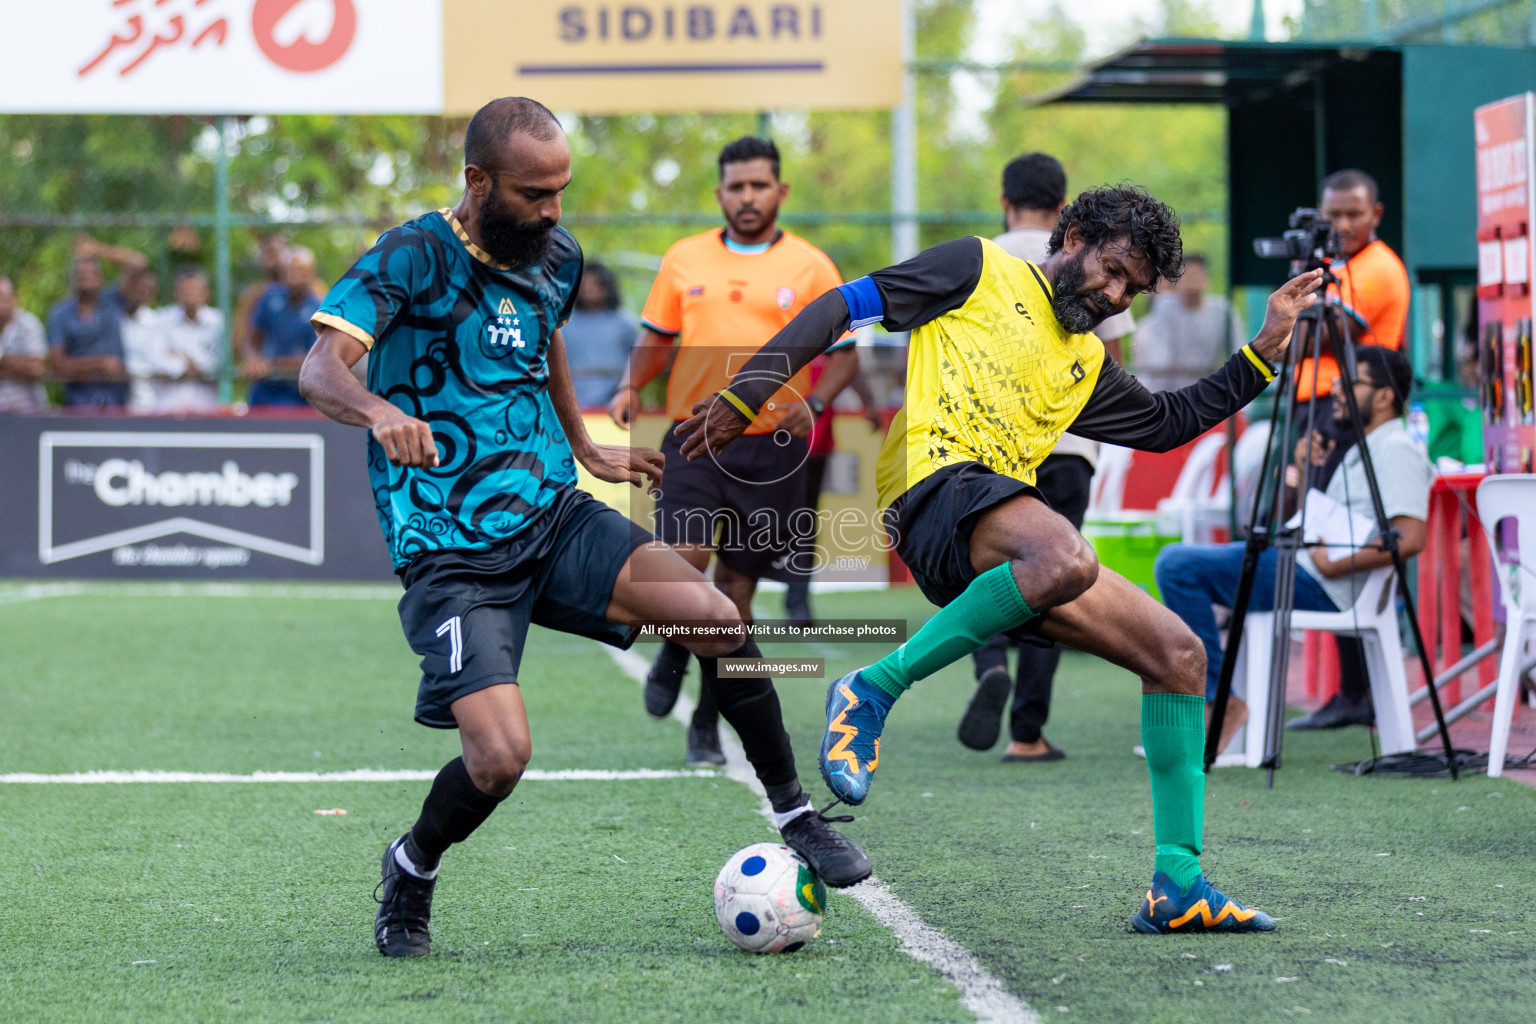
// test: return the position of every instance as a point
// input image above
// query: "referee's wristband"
(735, 403)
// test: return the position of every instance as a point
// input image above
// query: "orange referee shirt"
(724, 305)
(1374, 284)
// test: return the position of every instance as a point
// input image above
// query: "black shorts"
(748, 503)
(931, 525)
(467, 612)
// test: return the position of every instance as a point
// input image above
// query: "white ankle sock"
(782, 818)
(409, 867)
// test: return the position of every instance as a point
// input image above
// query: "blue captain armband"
(865, 306)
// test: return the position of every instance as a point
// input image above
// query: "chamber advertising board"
(1506, 210)
(187, 499)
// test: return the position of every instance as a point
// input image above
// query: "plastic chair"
(1511, 496)
(1374, 620)
(1199, 493)
(1107, 488)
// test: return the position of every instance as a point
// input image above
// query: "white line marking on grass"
(980, 992)
(357, 775)
(309, 591)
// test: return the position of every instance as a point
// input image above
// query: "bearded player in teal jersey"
(474, 436)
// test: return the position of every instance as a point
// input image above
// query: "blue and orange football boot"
(850, 750)
(1168, 910)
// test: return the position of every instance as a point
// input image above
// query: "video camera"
(1310, 243)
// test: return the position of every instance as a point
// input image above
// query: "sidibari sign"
(446, 56)
(667, 55)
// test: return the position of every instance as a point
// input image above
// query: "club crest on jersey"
(504, 332)
(506, 308)
(785, 297)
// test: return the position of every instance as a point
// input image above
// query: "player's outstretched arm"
(615, 463)
(1122, 411)
(900, 298)
(326, 380)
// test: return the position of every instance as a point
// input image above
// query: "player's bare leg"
(658, 586)
(1120, 623)
(1026, 559)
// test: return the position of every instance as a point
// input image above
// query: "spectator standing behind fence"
(281, 335)
(598, 337)
(188, 359)
(85, 337)
(140, 326)
(271, 253)
(23, 352)
(1188, 334)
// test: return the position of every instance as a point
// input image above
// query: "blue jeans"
(1193, 577)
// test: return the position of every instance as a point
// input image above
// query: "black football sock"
(452, 810)
(705, 714)
(672, 660)
(751, 707)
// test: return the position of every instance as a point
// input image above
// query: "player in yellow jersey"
(1003, 360)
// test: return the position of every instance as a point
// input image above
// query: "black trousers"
(1064, 480)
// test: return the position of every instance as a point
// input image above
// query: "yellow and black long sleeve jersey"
(992, 376)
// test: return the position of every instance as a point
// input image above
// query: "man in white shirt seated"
(1194, 577)
(189, 336)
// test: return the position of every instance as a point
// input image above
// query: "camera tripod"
(1315, 324)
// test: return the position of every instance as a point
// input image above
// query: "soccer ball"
(768, 901)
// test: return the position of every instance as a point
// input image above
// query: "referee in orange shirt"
(720, 296)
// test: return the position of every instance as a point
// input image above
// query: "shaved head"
(499, 120)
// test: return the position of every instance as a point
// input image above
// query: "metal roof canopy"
(1297, 111)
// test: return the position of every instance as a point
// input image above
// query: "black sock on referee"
(452, 810)
(705, 714)
(751, 706)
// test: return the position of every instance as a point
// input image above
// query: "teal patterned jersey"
(462, 343)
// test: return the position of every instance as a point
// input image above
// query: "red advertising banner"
(1506, 209)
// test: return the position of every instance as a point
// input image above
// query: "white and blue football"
(768, 900)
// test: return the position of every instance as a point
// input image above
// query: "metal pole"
(1256, 22)
(221, 274)
(904, 147)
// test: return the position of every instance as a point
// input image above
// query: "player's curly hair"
(1112, 212)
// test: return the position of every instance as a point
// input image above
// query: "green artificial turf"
(592, 900)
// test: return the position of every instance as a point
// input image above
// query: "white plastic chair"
(1107, 489)
(1198, 494)
(1510, 496)
(1374, 620)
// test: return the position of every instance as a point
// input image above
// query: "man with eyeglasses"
(1194, 577)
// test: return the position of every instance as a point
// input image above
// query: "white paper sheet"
(1341, 530)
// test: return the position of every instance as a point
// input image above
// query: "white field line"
(980, 992)
(308, 591)
(357, 775)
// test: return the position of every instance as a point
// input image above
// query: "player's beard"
(510, 241)
(1077, 309)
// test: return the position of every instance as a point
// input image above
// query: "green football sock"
(1173, 735)
(991, 604)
